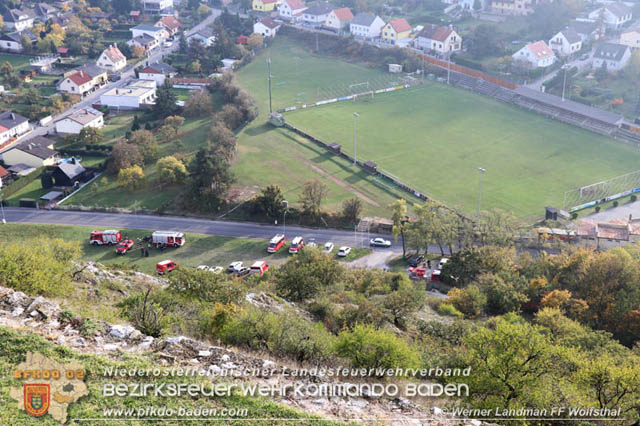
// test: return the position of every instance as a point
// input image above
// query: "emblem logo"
(36, 399)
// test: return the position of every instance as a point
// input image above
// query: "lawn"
(199, 248)
(18, 62)
(268, 155)
(435, 137)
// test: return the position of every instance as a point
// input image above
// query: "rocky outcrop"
(38, 315)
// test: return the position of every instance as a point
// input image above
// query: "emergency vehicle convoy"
(99, 238)
(276, 243)
(167, 239)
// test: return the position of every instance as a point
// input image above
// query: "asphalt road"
(126, 76)
(192, 225)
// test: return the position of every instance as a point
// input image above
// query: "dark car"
(124, 246)
(416, 260)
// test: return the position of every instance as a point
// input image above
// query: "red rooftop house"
(242, 39)
(63, 51)
(339, 19)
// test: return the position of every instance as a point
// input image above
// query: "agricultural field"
(271, 155)
(435, 137)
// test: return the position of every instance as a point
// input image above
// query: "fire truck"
(167, 239)
(276, 243)
(296, 245)
(99, 238)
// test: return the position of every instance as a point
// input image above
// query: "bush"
(366, 347)
(147, 313)
(285, 335)
(470, 301)
(306, 274)
(615, 203)
(449, 310)
(597, 209)
(574, 216)
(633, 198)
(203, 285)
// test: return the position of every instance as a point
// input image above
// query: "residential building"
(98, 75)
(396, 30)
(566, 43)
(291, 9)
(159, 33)
(317, 14)
(158, 7)
(43, 12)
(13, 41)
(339, 19)
(18, 19)
(35, 152)
(613, 56)
(264, 5)
(157, 72)
(614, 15)
(145, 41)
(366, 25)
(68, 172)
(171, 25)
(15, 124)
(5, 135)
(608, 235)
(438, 39)
(587, 30)
(78, 83)
(631, 37)
(77, 121)
(135, 95)
(513, 7)
(266, 27)
(5, 176)
(204, 36)
(537, 54)
(112, 59)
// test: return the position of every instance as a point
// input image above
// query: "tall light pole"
(355, 120)
(269, 77)
(564, 80)
(481, 170)
(285, 203)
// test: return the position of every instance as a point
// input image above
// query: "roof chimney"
(13, 116)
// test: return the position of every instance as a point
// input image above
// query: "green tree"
(307, 274)
(484, 41)
(211, 178)
(131, 178)
(471, 301)
(399, 217)
(313, 192)
(124, 155)
(351, 210)
(270, 201)
(602, 73)
(366, 347)
(146, 143)
(199, 104)
(171, 170)
(165, 102)
(8, 74)
(224, 140)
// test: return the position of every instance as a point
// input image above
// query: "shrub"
(306, 274)
(366, 347)
(449, 310)
(285, 335)
(470, 301)
(574, 216)
(146, 312)
(597, 209)
(633, 198)
(203, 285)
(615, 203)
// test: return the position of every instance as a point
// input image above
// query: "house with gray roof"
(18, 19)
(45, 11)
(587, 30)
(366, 25)
(613, 56)
(566, 43)
(35, 152)
(614, 15)
(317, 14)
(13, 41)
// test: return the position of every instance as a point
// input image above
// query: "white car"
(203, 268)
(443, 261)
(328, 248)
(312, 242)
(344, 251)
(234, 267)
(379, 242)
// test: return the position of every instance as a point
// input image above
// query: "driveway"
(377, 259)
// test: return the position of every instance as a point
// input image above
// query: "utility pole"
(481, 170)
(317, 45)
(355, 121)
(285, 203)
(269, 78)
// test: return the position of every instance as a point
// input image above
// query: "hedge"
(21, 182)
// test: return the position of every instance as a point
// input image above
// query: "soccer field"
(435, 137)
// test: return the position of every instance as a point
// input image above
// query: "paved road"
(126, 76)
(183, 224)
(622, 211)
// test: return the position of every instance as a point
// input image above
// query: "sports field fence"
(602, 192)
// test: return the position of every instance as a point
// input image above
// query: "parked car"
(416, 260)
(216, 269)
(234, 267)
(344, 251)
(124, 246)
(166, 266)
(584, 57)
(443, 261)
(379, 242)
(328, 247)
(312, 243)
(203, 268)
(259, 267)
(242, 272)
(435, 275)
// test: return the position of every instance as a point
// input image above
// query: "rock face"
(18, 310)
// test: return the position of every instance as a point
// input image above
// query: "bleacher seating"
(628, 136)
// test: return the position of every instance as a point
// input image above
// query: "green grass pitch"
(435, 137)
